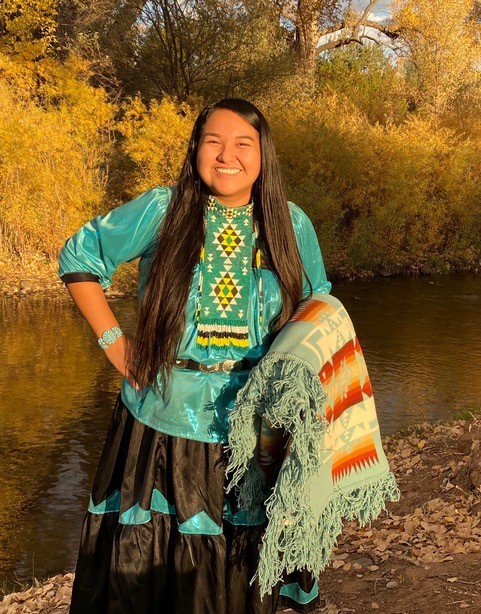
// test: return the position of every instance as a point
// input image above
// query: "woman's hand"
(90, 299)
(121, 354)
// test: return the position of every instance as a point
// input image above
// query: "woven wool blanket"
(314, 385)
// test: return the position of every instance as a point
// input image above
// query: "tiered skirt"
(161, 537)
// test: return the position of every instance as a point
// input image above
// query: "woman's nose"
(226, 154)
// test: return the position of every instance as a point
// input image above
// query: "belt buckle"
(228, 366)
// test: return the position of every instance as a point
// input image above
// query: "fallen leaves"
(439, 513)
(53, 597)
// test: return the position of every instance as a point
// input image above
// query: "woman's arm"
(92, 304)
(89, 259)
(121, 235)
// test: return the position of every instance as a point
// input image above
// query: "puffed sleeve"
(309, 251)
(121, 235)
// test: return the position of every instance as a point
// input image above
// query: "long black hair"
(181, 236)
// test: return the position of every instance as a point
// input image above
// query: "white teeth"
(228, 171)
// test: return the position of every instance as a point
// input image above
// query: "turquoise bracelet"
(109, 336)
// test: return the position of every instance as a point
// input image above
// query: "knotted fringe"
(283, 389)
(280, 390)
(311, 540)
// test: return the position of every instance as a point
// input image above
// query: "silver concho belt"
(227, 366)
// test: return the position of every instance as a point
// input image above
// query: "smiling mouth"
(228, 171)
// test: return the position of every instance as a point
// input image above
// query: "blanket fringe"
(292, 388)
(311, 541)
(243, 441)
(293, 400)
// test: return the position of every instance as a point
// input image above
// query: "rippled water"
(421, 338)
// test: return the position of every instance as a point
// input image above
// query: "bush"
(155, 138)
(383, 198)
(54, 148)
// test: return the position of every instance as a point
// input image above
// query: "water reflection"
(57, 392)
(421, 338)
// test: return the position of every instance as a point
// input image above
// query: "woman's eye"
(213, 141)
(244, 144)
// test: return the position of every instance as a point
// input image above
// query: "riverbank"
(423, 555)
(38, 277)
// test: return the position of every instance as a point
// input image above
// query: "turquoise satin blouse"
(195, 404)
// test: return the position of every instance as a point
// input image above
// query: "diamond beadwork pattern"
(225, 276)
(229, 240)
(225, 290)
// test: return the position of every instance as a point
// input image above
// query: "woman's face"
(229, 157)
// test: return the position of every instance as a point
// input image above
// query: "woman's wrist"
(109, 336)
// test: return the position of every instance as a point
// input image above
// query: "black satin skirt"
(156, 540)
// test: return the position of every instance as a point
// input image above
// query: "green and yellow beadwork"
(225, 276)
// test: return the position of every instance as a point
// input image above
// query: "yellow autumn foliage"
(54, 149)
(383, 198)
(443, 41)
(155, 139)
(383, 156)
(29, 27)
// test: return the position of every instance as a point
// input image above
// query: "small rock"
(374, 605)
(392, 584)
(339, 557)
(363, 561)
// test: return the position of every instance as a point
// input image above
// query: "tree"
(321, 25)
(442, 47)
(182, 48)
(28, 27)
(368, 78)
(214, 47)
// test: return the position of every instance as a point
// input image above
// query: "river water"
(422, 342)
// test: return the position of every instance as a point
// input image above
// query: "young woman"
(224, 262)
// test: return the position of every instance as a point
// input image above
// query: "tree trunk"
(307, 36)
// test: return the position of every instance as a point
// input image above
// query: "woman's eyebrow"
(216, 134)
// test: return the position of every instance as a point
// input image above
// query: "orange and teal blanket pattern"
(314, 385)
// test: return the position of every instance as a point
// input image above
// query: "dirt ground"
(422, 556)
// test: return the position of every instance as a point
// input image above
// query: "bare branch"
(332, 29)
(367, 11)
(390, 32)
(393, 34)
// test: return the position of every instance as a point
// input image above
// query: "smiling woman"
(225, 261)
(229, 157)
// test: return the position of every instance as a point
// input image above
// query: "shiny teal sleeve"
(309, 251)
(123, 234)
